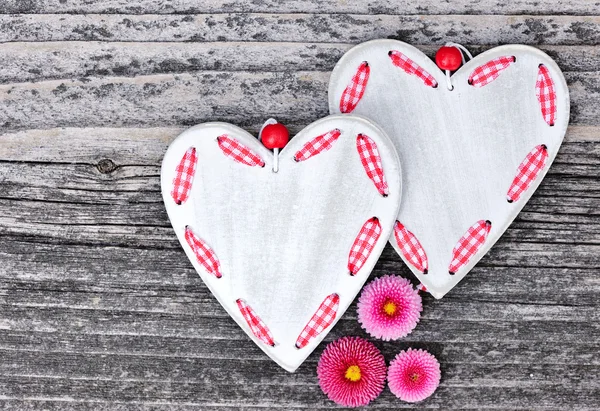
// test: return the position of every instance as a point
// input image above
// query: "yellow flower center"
(353, 373)
(390, 308)
(414, 377)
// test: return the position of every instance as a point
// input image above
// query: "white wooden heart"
(460, 144)
(282, 239)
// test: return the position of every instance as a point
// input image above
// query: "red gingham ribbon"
(204, 254)
(371, 161)
(488, 72)
(528, 170)
(257, 326)
(363, 245)
(184, 176)
(468, 244)
(321, 319)
(239, 152)
(410, 67)
(317, 145)
(355, 89)
(544, 90)
(411, 247)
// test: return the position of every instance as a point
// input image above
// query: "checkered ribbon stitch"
(363, 245)
(239, 152)
(469, 244)
(546, 95)
(257, 326)
(527, 172)
(488, 72)
(410, 67)
(411, 247)
(317, 145)
(204, 254)
(371, 161)
(184, 176)
(321, 319)
(355, 90)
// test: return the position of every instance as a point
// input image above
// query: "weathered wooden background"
(99, 308)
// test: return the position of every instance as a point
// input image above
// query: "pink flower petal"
(414, 375)
(351, 372)
(389, 307)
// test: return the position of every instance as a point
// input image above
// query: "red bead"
(275, 136)
(448, 58)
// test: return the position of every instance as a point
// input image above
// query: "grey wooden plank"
(338, 28)
(546, 220)
(137, 146)
(65, 404)
(191, 98)
(24, 62)
(511, 285)
(83, 405)
(118, 170)
(80, 267)
(145, 348)
(293, 396)
(42, 319)
(84, 183)
(203, 304)
(70, 405)
(145, 224)
(160, 100)
(73, 366)
(577, 7)
(159, 235)
(146, 146)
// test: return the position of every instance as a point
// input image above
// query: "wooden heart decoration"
(473, 146)
(284, 252)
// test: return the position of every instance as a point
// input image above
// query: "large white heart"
(285, 241)
(462, 141)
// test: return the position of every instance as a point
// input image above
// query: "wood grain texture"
(99, 308)
(392, 7)
(27, 62)
(191, 98)
(418, 29)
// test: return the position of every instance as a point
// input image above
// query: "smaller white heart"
(282, 240)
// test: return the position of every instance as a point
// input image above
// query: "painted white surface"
(283, 238)
(459, 149)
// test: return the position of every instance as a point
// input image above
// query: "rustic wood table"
(100, 309)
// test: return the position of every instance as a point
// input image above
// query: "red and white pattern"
(355, 90)
(468, 244)
(317, 145)
(527, 172)
(411, 247)
(363, 245)
(239, 152)
(410, 67)
(257, 326)
(204, 254)
(322, 318)
(546, 95)
(184, 176)
(371, 161)
(488, 72)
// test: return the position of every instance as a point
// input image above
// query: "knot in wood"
(106, 166)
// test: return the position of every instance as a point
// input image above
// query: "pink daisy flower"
(414, 375)
(389, 307)
(351, 372)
